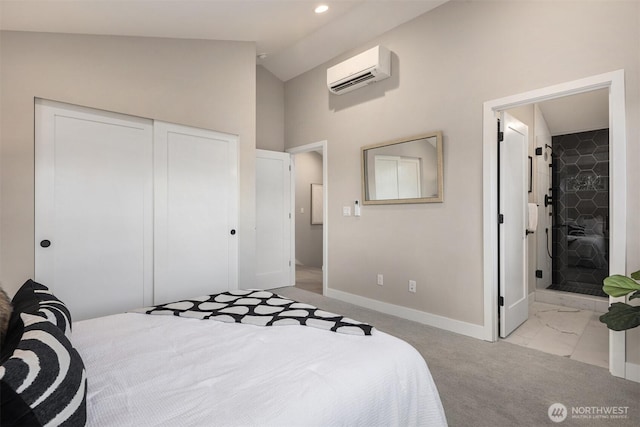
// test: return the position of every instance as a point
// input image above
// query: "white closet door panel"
(94, 204)
(195, 212)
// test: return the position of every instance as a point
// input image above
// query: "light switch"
(346, 211)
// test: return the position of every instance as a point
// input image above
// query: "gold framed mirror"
(408, 170)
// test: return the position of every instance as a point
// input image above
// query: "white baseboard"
(531, 299)
(452, 325)
(632, 372)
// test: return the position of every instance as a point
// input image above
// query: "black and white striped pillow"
(44, 381)
(35, 298)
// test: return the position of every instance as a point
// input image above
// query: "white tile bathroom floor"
(564, 331)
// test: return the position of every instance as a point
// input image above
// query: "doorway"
(614, 83)
(568, 241)
(310, 189)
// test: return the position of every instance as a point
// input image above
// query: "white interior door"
(409, 178)
(273, 220)
(196, 187)
(93, 204)
(514, 306)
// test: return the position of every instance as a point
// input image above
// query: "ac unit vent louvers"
(347, 84)
(367, 67)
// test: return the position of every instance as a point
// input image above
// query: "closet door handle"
(233, 232)
(45, 243)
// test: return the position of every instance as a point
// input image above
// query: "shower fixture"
(546, 231)
(546, 155)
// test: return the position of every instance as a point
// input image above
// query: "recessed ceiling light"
(321, 9)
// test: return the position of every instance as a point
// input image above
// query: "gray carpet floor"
(309, 278)
(498, 384)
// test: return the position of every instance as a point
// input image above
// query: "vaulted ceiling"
(292, 37)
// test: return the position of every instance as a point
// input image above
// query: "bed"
(144, 369)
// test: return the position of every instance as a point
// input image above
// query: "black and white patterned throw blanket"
(260, 308)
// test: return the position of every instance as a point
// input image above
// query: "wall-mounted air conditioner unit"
(370, 66)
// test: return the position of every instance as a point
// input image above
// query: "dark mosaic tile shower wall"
(580, 177)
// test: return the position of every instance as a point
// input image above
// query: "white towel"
(533, 217)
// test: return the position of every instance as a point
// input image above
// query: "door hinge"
(501, 301)
(289, 168)
(500, 136)
(289, 263)
(500, 219)
(289, 215)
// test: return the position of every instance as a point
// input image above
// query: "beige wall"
(308, 236)
(269, 111)
(193, 82)
(445, 64)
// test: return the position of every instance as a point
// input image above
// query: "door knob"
(233, 232)
(45, 243)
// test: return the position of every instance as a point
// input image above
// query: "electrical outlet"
(412, 286)
(380, 280)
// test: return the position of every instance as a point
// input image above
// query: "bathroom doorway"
(568, 252)
(569, 191)
(613, 84)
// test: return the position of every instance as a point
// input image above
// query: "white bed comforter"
(155, 370)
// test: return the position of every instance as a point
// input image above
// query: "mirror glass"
(403, 171)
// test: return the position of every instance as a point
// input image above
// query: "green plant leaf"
(635, 275)
(618, 285)
(621, 317)
(634, 295)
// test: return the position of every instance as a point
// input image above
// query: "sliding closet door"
(93, 208)
(196, 185)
